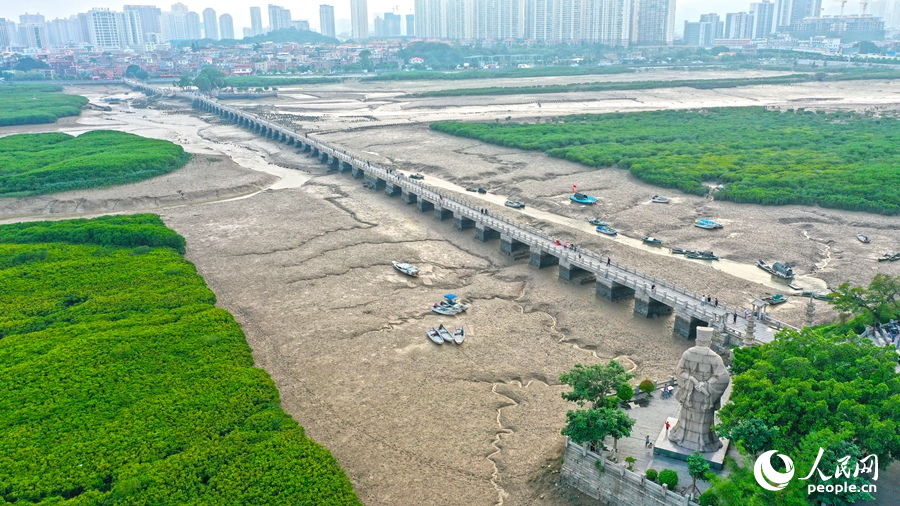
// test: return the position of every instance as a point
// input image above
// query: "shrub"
(652, 475)
(625, 392)
(708, 498)
(668, 477)
(630, 461)
(647, 386)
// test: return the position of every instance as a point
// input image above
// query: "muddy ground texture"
(304, 264)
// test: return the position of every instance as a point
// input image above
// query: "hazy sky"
(309, 9)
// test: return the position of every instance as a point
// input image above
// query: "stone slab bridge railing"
(614, 281)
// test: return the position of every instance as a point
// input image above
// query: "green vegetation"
(840, 160)
(124, 384)
(877, 303)
(32, 164)
(668, 477)
(652, 474)
(257, 81)
(647, 386)
(698, 467)
(807, 391)
(498, 74)
(595, 384)
(702, 84)
(26, 104)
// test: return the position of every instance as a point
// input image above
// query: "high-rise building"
(608, 22)
(115, 30)
(703, 33)
(279, 18)
(256, 27)
(33, 31)
(359, 19)
(5, 32)
(149, 15)
(410, 25)
(568, 21)
(762, 19)
(392, 24)
(64, 31)
(192, 25)
(736, 25)
(210, 24)
(790, 12)
(654, 23)
(300, 24)
(430, 17)
(226, 27)
(326, 20)
(539, 19)
(35, 19)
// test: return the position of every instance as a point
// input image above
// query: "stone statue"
(702, 379)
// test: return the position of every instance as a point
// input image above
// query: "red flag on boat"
(573, 187)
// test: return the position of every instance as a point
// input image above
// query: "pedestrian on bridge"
(735, 317)
(608, 261)
(717, 302)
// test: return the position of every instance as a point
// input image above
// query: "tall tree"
(594, 425)
(880, 300)
(593, 383)
(697, 468)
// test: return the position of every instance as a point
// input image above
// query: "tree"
(141, 74)
(625, 392)
(215, 76)
(753, 435)
(594, 425)
(697, 468)
(880, 300)
(365, 59)
(28, 63)
(183, 82)
(668, 477)
(132, 70)
(202, 83)
(647, 386)
(595, 382)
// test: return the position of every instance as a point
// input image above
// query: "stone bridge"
(614, 281)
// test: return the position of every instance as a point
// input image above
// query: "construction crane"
(843, 3)
(864, 4)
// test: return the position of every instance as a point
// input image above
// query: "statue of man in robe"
(702, 379)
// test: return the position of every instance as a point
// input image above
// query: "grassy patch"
(499, 74)
(26, 104)
(840, 160)
(124, 384)
(33, 164)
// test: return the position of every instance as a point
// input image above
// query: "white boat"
(515, 204)
(863, 238)
(459, 334)
(435, 336)
(445, 334)
(449, 306)
(408, 269)
(659, 200)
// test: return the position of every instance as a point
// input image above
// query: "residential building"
(226, 27)
(761, 21)
(149, 15)
(704, 32)
(256, 27)
(539, 19)
(789, 12)
(391, 24)
(850, 28)
(359, 19)
(64, 31)
(114, 30)
(430, 17)
(608, 22)
(410, 25)
(279, 18)
(210, 24)
(300, 24)
(736, 25)
(192, 25)
(326, 20)
(32, 31)
(654, 23)
(7, 32)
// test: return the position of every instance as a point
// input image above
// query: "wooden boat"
(405, 268)
(445, 334)
(581, 198)
(603, 229)
(416, 176)
(817, 296)
(775, 299)
(863, 238)
(659, 200)
(652, 240)
(481, 190)
(679, 251)
(459, 334)
(779, 270)
(701, 255)
(887, 257)
(470, 189)
(597, 223)
(435, 336)
(795, 287)
(707, 224)
(449, 306)
(515, 204)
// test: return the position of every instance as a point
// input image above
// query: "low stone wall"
(612, 483)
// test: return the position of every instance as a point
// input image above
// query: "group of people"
(567, 245)
(706, 299)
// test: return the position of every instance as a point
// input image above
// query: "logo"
(767, 477)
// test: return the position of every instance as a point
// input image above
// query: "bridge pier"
(345, 167)
(323, 157)
(686, 325)
(610, 290)
(541, 259)
(357, 173)
(513, 248)
(377, 183)
(570, 272)
(424, 206)
(393, 190)
(484, 233)
(648, 307)
(442, 214)
(463, 223)
(409, 198)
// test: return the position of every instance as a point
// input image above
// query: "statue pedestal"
(666, 448)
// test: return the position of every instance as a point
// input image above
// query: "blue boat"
(606, 230)
(580, 198)
(707, 224)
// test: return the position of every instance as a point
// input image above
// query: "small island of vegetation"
(26, 104)
(34, 164)
(842, 160)
(125, 384)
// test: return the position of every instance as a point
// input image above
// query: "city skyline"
(686, 10)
